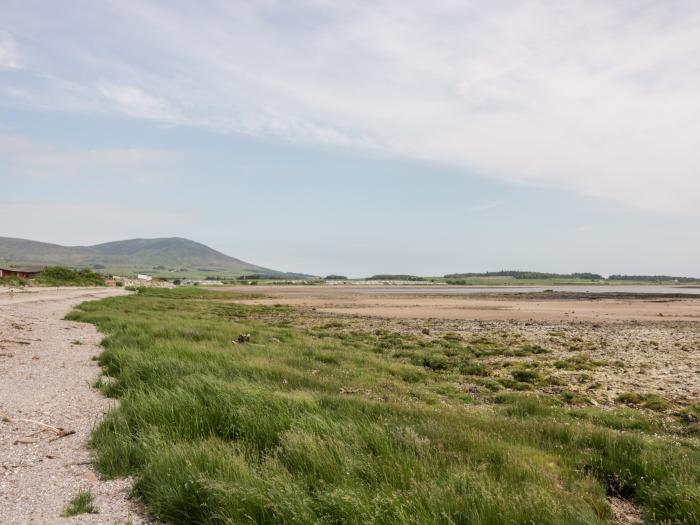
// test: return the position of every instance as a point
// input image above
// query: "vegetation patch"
(293, 428)
(525, 376)
(650, 401)
(574, 398)
(578, 362)
(82, 503)
(60, 276)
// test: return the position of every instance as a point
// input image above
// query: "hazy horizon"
(353, 138)
(388, 272)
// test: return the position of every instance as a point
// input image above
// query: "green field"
(327, 426)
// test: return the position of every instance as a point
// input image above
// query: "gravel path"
(46, 373)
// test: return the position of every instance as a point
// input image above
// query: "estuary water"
(471, 290)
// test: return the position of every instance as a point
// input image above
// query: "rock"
(689, 418)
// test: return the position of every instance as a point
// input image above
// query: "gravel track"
(46, 373)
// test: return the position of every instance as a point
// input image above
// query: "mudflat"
(490, 306)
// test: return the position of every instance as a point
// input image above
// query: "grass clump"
(650, 401)
(574, 398)
(82, 503)
(578, 362)
(525, 376)
(364, 428)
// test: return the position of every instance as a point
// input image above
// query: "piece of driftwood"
(59, 431)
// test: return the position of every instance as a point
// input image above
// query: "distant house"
(22, 273)
(143, 277)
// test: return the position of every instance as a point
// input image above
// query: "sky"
(359, 137)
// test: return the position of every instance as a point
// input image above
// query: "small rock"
(689, 418)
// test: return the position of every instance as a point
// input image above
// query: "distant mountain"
(166, 253)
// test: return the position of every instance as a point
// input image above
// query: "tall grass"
(297, 427)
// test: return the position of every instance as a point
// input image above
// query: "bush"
(62, 276)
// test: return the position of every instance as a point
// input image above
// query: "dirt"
(46, 376)
(625, 512)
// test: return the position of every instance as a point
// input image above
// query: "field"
(328, 418)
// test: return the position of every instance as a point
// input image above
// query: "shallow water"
(470, 290)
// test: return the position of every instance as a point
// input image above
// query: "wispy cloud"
(137, 103)
(601, 98)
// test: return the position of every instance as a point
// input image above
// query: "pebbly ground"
(46, 375)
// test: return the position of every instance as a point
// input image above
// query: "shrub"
(62, 276)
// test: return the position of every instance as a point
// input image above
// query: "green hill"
(172, 256)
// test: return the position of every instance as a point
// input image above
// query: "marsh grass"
(322, 426)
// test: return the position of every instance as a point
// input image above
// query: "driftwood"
(59, 431)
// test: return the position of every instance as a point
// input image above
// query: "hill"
(162, 256)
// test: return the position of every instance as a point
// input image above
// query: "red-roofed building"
(22, 273)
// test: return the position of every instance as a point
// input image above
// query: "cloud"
(137, 103)
(8, 52)
(24, 157)
(599, 98)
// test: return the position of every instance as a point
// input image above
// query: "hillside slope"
(172, 253)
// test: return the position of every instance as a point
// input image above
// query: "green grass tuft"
(650, 401)
(82, 503)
